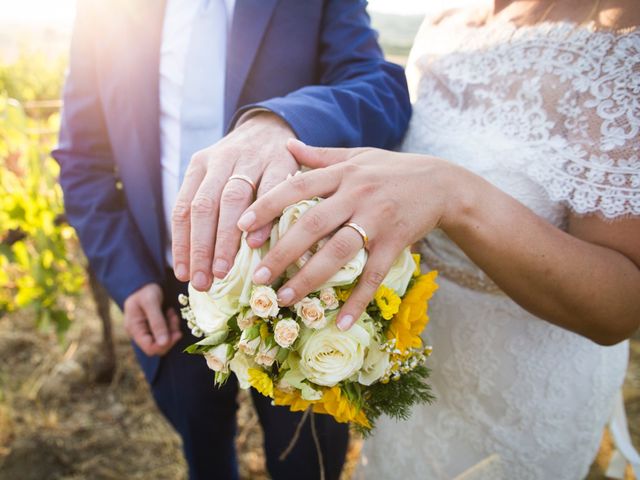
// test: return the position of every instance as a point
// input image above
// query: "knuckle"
(181, 212)
(373, 278)
(303, 283)
(267, 186)
(359, 302)
(199, 159)
(366, 189)
(148, 301)
(313, 223)
(226, 237)
(200, 253)
(388, 208)
(267, 204)
(277, 256)
(235, 192)
(203, 206)
(298, 183)
(402, 225)
(179, 248)
(350, 168)
(340, 248)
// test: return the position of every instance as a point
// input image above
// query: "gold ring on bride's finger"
(244, 178)
(361, 232)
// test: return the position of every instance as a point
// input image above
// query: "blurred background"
(73, 402)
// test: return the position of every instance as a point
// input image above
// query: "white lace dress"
(551, 115)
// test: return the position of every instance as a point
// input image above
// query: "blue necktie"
(201, 113)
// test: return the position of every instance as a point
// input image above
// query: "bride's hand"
(396, 198)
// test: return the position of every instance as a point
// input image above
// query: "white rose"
(209, 315)
(218, 358)
(247, 345)
(311, 312)
(401, 272)
(235, 287)
(292, 214)
(286, 332)
(375, 365)
(329, 299)
(264, 301)
(240, 365)
(266, 356)
(346, 275)
(246, 319)
(329, 356)
(350, 272)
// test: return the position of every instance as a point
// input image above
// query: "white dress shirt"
(176, 34)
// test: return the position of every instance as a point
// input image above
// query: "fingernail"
(262, 275)
(200, 280)
(162, 339)
(221, 266)
(181, 271)
(286, 295)
(246, 220)
(345, 322)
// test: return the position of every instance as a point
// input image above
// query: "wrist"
(464, 197)
(148, 289)
(257, 120)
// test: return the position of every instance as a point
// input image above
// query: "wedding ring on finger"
(361, 231)
(244, 178)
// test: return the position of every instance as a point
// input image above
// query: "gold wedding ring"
(244, 178)
(361, 232)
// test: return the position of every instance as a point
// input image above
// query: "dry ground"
(56, 422)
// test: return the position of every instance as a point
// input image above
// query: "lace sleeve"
(594, 163)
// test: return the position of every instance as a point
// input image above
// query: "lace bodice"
(555, 104)
(551, 115)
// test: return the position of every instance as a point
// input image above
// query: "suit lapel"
(145, 112)
(250, 21)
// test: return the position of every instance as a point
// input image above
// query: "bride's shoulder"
(455, 14)
(443, 23)
(618, 16)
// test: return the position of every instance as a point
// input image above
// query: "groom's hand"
(153, 330)
(205, 238)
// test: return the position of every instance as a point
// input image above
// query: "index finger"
(181, 216)
(302, 186)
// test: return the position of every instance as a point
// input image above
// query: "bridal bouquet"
(297, 356)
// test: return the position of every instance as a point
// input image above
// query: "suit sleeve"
(361, 100)
(94, 204)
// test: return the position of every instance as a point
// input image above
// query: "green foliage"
(32, 77)
(40, 264)
(396, 397)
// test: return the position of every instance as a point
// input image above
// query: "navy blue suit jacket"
(316, 63)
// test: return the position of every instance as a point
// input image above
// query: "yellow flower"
(343, 293)
(412, 318)
(340, 408)
(264, 331)
(293, 400)
(388, 302)
(261, 382)
(416, 258)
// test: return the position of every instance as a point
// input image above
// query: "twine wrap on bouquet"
(316, 440)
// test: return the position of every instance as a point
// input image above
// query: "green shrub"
(40, 262)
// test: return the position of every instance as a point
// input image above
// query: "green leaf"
(214, 339)
(282, 355)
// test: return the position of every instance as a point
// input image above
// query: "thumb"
(318, 157)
